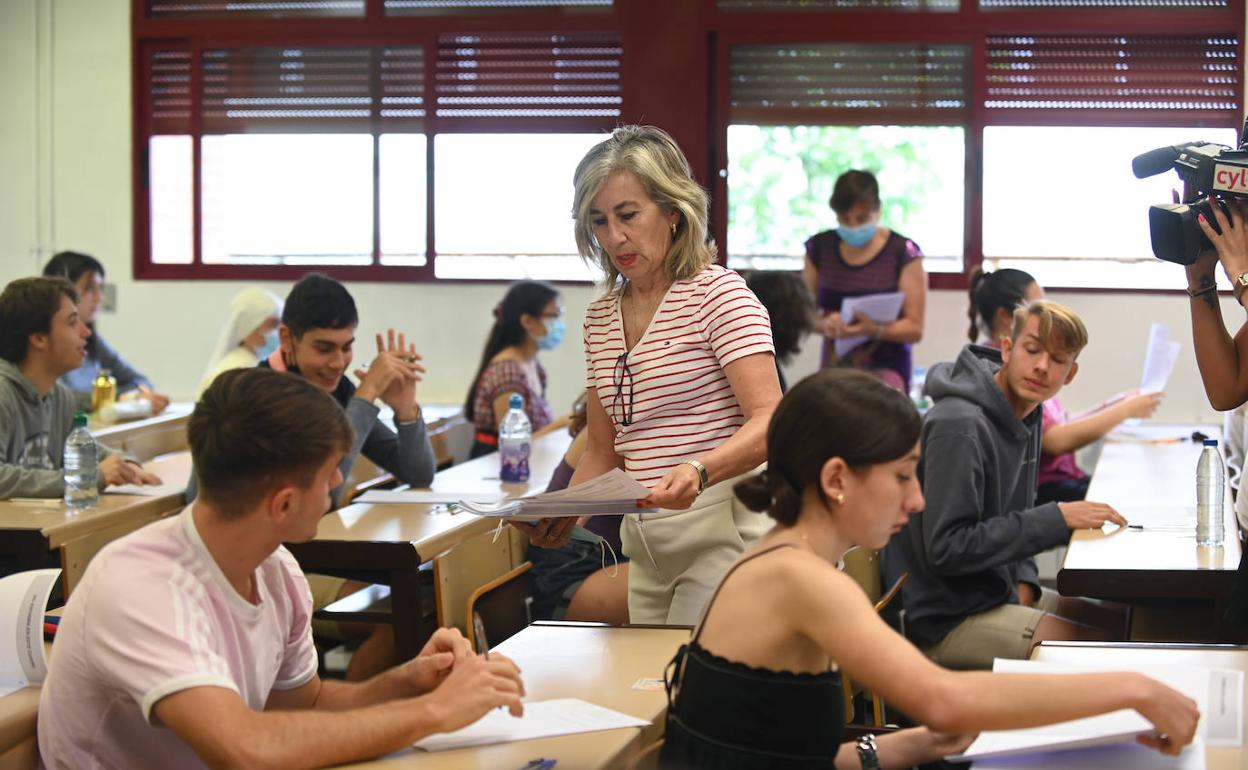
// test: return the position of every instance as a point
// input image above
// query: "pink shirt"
(1056, 467)
(673, 380)
(153, 616)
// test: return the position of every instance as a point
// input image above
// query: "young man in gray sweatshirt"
(973, 592)
(42, 338)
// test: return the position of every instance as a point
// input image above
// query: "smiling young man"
(187, 643)
(973, 592)
(41, 338)
(318, 343)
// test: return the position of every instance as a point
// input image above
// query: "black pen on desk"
(539, 764)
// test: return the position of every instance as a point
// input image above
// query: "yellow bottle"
(103, 391)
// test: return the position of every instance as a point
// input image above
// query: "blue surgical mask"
(555, 329)
(857, 236)
(271, 341)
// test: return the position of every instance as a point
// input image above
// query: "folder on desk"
(610, 494)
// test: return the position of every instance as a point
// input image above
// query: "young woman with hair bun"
(760, 686)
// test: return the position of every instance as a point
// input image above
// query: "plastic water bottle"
(515, 441)
(917, 397)
(81, 466)
(1210, 493)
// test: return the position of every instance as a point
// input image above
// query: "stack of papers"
(23, 597)
(1093, 741)
(881, 308)
(610, 494)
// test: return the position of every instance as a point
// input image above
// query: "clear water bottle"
(515, 441)
(81, 466)
(1210, 493)
(917, 397)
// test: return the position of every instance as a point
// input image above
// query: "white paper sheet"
(543, 719)
(1159, 359)
(23, 598)
(147, 490)
(1218, 694)
(612, 493)
(1124, 756)
(421, 497)
(881, 308)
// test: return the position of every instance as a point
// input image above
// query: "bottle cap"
(517, 401)
(1211, 442)
(80, 419)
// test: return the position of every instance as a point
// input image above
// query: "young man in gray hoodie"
(973, 592)
(42, 338)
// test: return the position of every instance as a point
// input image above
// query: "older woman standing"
(681, 368)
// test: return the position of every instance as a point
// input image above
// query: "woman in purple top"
(859, 258)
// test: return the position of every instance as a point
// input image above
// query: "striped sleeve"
(733, 321)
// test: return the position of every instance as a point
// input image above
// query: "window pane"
(241, 9)
(298, 199)
(170, 161)
(780, 179)
(404, 204)
(1068, 192)
(503, 205)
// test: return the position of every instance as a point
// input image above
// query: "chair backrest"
(501, 608)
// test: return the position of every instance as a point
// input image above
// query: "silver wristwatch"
(703, 477)
(867, 754)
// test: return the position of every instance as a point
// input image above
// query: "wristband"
(1194, 293)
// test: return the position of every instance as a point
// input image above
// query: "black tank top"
(726, 715)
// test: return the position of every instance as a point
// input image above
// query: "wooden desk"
(598, 664)
(18, 744)
(387, 543)
(1150, 484)
(149, 437)
(31, 532)
(1128, 655)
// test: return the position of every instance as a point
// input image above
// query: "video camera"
(1215, 171)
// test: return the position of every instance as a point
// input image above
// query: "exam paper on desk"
(1122, 756)
(1217, 692)
(542, 719)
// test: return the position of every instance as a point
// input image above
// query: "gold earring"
(840, 498)
(673, 229)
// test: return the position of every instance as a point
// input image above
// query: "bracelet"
(1194, 293)
(868, 755)
(703, 477)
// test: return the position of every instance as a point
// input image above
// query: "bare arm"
(909, 325)
(225, 732)
(1079, 432)
(1222, 360)
(756, 386)
(832, 610)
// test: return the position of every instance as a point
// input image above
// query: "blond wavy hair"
(652, 156)
(1061, 329)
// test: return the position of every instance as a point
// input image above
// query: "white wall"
(65, 163)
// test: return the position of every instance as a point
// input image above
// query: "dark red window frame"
(675, 75)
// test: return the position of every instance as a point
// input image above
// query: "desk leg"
(411, 630)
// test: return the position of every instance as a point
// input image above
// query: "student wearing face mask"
(250, 334)
(858, 258)
(527, 321)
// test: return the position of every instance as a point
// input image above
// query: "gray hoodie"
(972, 545)
(32, 435)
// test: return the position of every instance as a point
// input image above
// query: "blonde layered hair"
(652, 156)
(1061, 329)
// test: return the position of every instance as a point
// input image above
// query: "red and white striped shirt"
(673, 379)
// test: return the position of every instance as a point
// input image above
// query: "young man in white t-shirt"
(188, 642)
